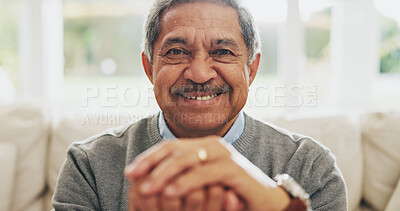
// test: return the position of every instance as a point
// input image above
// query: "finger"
(217, 173)
(168, 169)
(215, 198)
(177, 163)
(232, 202)
(143, 203)
(151, 157)
(148, 159)
(134, 201)
(195, 201)
(149, 203)
(168, 204)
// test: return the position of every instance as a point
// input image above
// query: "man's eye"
(222, 52)
(175, 52)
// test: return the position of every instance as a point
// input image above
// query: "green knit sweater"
(92, 176)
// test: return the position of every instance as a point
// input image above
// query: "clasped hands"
(199, 174)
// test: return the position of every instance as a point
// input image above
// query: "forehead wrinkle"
(183, 37)
(194, 32)
(193, 38)
(198, 16)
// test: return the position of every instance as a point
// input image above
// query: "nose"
(200, 71)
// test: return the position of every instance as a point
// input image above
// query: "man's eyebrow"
(227, 42)
(175, 40)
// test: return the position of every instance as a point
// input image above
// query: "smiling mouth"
(200, 92)
(201, 98)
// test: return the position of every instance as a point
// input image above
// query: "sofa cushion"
(381, 143)
(342, 137)
(25, 126)
(8, 161)
(394, 201)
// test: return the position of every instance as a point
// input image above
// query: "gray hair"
(153, 25)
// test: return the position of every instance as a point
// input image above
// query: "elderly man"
(201, 152)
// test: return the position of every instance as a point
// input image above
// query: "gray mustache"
(200, 88)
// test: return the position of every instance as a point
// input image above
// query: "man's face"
(200, 69)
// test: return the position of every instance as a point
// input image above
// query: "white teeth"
(202, 98)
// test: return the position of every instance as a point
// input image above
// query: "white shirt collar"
(231, 136)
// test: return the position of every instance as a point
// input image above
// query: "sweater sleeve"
(315, 168)
(327, 188)
(76, 185)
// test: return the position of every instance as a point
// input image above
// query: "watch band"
(300, 200)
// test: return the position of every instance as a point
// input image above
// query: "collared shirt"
(231, 136)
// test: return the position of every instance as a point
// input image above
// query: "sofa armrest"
(8, 161)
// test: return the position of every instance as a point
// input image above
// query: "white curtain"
(7, 89)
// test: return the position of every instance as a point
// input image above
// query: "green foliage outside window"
(8, 39)
(317, 40)
(317, 37)
(390, 46)
(90, 40)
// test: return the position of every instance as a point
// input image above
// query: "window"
(317, 22)
(102, 46)
(316, 19)
(320, 43)
(386, 88)
(9, 59)
(390, 36)
(102, 38)
(269, 16)
(390, 43)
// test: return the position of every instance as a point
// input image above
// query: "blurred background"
(318, 55)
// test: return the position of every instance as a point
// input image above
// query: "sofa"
(34, 140)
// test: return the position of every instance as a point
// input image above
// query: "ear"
(148, 67)
(254, 68)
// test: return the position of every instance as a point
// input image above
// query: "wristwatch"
(299, 199)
